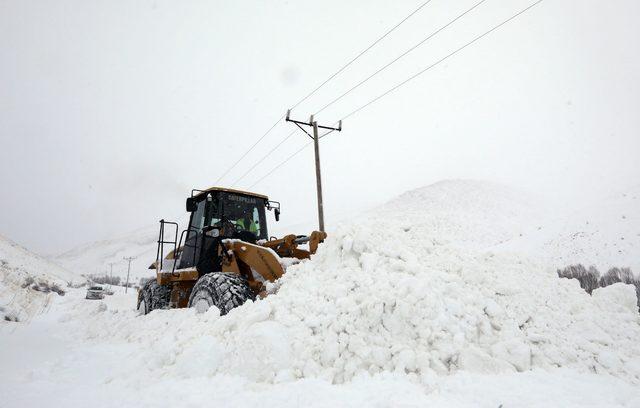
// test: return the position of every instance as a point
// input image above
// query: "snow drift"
(410, 288)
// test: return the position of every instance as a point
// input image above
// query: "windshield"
(246, 213)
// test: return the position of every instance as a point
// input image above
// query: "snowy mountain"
(27, 281)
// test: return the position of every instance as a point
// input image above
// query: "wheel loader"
(225, 255)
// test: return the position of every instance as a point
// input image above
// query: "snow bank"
(27, 282)
(409, 288)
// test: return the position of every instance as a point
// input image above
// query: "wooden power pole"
(129, 259)
(111, 273)
(316, 147)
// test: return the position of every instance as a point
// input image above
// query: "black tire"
(220, 289)
(153, 296)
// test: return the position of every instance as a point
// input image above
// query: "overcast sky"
(111, 111)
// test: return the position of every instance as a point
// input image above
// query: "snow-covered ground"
(99, 353)
(445, 296)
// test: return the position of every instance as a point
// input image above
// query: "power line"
(289, 158)
(442, 59)
(280, 165)
(406, 81)
(263, 158)
(361, 54)
(323, 84)
(421, 42)
(249, 150)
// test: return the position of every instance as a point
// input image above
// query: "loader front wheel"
(220, 289)
(153, 296)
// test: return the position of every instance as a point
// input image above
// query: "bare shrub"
(615, 275)
(46, 287)
(105, 280)
(71, 284)
(28, 282)
(11, 318)
(57, 289)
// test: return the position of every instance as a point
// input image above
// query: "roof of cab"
(230, 190)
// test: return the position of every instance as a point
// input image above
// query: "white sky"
(111, 111)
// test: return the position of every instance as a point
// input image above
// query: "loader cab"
(223, 214)
(229, 212)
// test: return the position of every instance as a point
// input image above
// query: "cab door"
(193, 236)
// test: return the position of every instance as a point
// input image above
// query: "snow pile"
(27, 282)
(373, 302)
(463, 213)
(407, 289)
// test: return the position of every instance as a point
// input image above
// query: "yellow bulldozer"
(224, 257)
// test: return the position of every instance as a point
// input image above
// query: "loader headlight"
(214, 232)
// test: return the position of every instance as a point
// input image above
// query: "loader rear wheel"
(220, 289)
(153, 296)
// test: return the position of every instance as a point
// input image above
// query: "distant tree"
(104, 279)
(588, 278)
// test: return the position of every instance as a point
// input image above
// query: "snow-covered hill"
(605, 235)
(94, 258)
(603, 232)
(27, 281)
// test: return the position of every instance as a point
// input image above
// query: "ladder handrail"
(162, 241)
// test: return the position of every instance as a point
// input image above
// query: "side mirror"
(191, 205)
(275, 206)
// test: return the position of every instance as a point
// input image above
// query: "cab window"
(246, 213)
(197, 217)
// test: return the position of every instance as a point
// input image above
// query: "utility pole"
(129, 259)
(316, 148)
(111, 274)
(111, 271)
